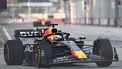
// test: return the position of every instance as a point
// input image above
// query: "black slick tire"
(43, 54)
(13, 52)
(103, 48)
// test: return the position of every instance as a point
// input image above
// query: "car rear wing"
(27, 33)
(31, 33)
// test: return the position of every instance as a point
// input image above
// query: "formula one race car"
(52, 46)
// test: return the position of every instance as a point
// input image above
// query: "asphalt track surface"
(91, 32)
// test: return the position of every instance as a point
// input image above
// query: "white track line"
(7, 34)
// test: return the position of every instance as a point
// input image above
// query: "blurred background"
(86, 12)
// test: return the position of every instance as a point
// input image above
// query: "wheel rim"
(37, 56)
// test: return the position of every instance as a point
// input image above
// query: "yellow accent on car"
(80, 54)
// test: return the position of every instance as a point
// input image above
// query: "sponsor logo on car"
(29, 33)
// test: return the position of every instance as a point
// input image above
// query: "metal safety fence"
(96, 21)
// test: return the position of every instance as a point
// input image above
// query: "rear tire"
(103, 48)
(13, 52)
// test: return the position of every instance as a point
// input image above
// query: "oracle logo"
(29, 34)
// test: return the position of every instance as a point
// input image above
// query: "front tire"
(13, 52)
(43, 54)
(103, 48)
